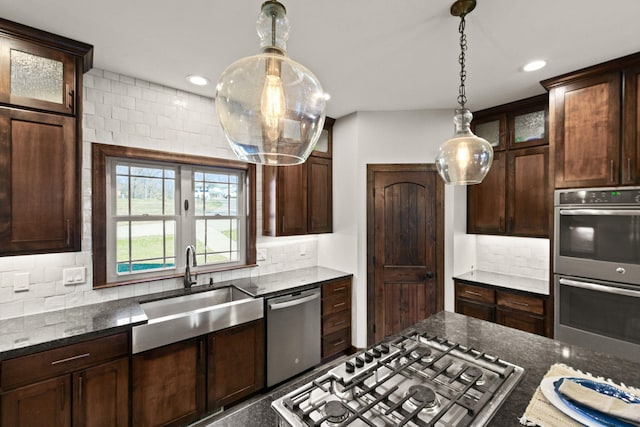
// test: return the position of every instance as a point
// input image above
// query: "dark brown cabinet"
(514, 309)
(299, 199)
(594, 125)
(169, 386)
(40, 140)
(336, 317)
(236, 363)
(513, 199)
(80, 385)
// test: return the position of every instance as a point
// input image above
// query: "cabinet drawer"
(63, 360)
(340, 287)
(336, 342)
(335, 304)
(519, 302)
(335, 322)
(475, 293)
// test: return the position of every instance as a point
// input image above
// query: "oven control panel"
(598, 196)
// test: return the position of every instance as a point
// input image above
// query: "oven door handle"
(620, 212)
(599, 288)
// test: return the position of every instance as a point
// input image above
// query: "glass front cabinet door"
(36, 77)
(528, 127)
(493, 128)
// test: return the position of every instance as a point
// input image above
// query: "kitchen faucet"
(187, 271)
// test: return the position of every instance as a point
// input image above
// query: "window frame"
(102, 152)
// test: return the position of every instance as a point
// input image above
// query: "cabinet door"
(37, 77)
(520, 320)
(236, 363)
(493, 128)
(320, 197)
(101, 395)
(475, 309)
(324, 146)
(631, 128)
(486, 201)
(528, 126)
(46, 403)
(586, 130)
(528, 201)
(169, 384)
(39, 184)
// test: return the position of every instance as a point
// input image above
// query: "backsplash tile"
(519, 256)
(126, 111)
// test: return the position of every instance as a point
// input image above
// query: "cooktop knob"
(384, 347)
(376, 353)
(368, 357)
(349, 367)
(359, 362)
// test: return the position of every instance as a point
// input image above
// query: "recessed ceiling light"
(197, 80)
(535, 65)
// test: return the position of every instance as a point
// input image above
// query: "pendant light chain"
(462, 96)
(274, 15)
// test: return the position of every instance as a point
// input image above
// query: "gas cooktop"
(412, 380)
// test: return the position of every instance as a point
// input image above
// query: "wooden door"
(169, 384)
(320, 197)
(586, 129)
(631, 128)
(405, 246)
(486, 209)
(39, 184)
(46, 403)
(236, 363)
(101, 395)
(528, 210)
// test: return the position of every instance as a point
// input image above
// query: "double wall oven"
(597, 269)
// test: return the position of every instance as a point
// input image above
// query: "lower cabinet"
(336, 317)
(169, 384)
(236, 363)
(179, 383)
(525, 312)
(74, 386)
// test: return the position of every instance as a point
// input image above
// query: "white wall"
(121, 110)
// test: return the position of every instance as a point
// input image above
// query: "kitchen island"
(534, 353)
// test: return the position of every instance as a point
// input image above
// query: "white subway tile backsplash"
(518, 256)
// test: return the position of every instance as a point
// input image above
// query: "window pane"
(215, 177)
(146, 196)
(149, 172)
(122, 241)
(170, 238)
(122, 195)
(218, 206)
(36, 77)
(201, 236)
(147, 240)
(169, 197)
(169, 173)
(122, 169)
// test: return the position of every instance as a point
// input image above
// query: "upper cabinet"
(513, 197)
(299, 199)
(594, 125)
(40, 140)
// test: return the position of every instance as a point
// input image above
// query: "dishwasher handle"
(293, 302)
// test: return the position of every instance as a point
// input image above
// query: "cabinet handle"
(68, 225)
(341, 342)
(69, 359)
(523, 304)
(611, 171)
(62, 393)
(628, 168)
(200, 350)
(282, 224)
(478, 294)
(80, 388)
(339, 323)
(340, 289)
(340, 304)
(510, 225)
(501, 224)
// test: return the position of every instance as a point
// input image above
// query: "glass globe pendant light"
(271, 108)
(466, 158)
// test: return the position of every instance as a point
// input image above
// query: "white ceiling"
(370, 55)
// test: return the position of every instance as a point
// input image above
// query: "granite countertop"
(508, 281)
(42, 331)
(534, 353)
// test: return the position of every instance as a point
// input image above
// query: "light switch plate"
(20, 282)
(73, 276)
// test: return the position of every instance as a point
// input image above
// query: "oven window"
(613, 238)
(602, 313)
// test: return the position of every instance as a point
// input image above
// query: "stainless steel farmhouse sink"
(178, 318)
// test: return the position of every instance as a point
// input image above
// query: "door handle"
(430, 275)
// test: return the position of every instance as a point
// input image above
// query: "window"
(148, 206)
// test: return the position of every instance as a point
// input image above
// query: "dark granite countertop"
(507, 281)
(534, 353)
(38, 332)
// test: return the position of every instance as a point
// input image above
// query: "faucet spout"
(187, 271)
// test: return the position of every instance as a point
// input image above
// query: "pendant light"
(271, 108)
(466, 158)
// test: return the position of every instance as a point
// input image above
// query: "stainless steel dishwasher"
(293, 334)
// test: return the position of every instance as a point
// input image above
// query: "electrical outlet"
(302, 250)
(20, 282)
(73, 276)
(261, 254)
